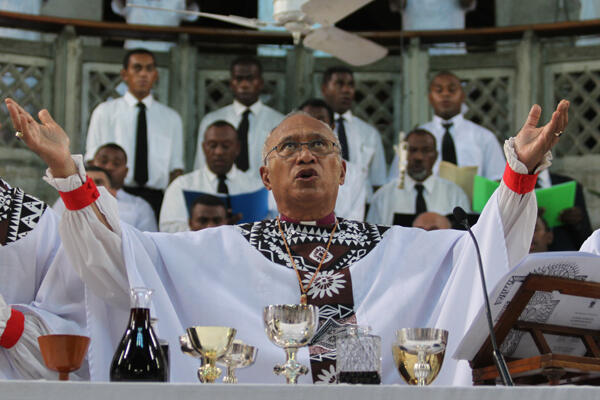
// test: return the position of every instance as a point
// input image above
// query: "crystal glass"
(291, 326)
(358, 355)
(212, 342)
(419, 354)
(63, 353)
(239, 355)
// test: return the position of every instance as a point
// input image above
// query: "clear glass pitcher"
(358, 357)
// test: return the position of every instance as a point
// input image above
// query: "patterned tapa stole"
(332, 288)
(19, 213)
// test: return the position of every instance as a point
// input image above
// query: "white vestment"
(36, 279)
(411, 278)
(592, 244)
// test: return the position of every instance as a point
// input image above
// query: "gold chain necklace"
(303, 296)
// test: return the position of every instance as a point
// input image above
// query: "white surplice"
(38, 280)
(412, 278)
(592, 244)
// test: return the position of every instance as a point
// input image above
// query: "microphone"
(461, 217)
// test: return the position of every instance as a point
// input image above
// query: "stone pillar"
(182, 94)
(67, 87)
(298, 74)
(414, 89)
(528, 77)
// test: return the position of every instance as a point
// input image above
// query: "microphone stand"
(501, 366)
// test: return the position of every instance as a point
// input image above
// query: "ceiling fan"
(313, 19)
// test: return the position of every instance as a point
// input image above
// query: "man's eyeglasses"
(318, 147)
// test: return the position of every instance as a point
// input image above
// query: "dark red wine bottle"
(139, 356)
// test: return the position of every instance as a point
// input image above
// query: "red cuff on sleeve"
(519, 183)
(14, 329)
(81, 197)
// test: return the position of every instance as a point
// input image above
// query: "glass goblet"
(212, 342)
(239, 355)
(291, 326)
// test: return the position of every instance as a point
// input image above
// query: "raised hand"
(47, 139)
(532, 142)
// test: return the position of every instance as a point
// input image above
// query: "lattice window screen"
(28, 81)
(102, 82)
(578, 82)
(214, 92)
(377, 100)
(489, 98)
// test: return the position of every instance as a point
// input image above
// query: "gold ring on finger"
(19, 134)
(558, 134)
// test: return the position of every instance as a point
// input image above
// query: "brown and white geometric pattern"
(19, 213)
(331, 289)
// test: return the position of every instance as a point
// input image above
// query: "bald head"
(431, 221)
(303, 167)
(292, 121)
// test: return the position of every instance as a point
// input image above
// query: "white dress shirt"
(174, 214)
(441, 196)
(262, 120)
(352, 195)
(474, 144)
(133, 210)
(364, 148)
(24, 7)
(142, 16)
(425, 15)
(116, 121)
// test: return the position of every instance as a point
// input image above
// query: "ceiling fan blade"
(346, 46)
(232, 19)
(328, 12)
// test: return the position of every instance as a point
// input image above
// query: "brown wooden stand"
(547, 368)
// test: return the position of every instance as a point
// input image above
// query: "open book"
(544, 307)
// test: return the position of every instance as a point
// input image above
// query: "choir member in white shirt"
(133, 209)
(207, 211)
(247, 267)
(352, 195)
(422, 191)
(150, 132)
(219, 176)
(431, 221)
(361, 142)
(252, 118)
(459, 140)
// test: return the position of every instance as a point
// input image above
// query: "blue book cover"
(253, 206)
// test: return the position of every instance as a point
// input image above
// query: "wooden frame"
(549, 368)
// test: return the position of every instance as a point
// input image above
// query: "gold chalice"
(419, 354)
(212, 342)
(291, 326)
(63, 353)
(239, 355)
(187, 348)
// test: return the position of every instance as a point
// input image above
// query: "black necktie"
(420, 205)
(343, 140)
(242, 160)
(222, 188)
(448, 149)
(140, 174)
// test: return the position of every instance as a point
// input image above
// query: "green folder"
(553, 199)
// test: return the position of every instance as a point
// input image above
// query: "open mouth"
(307, 174)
